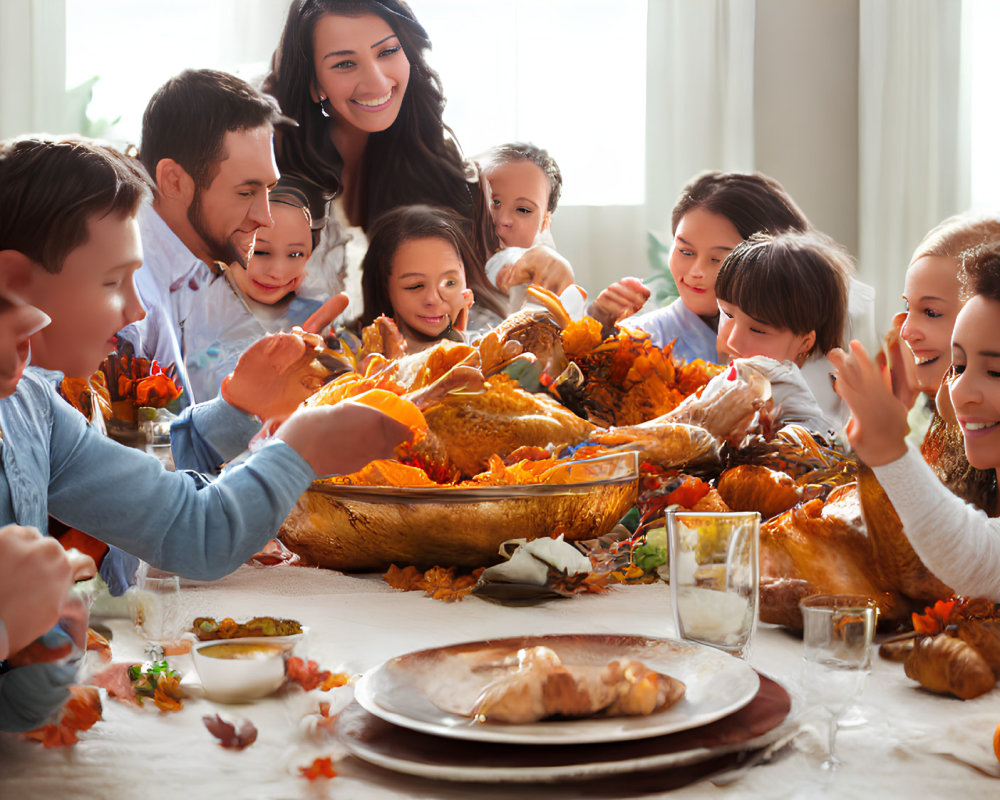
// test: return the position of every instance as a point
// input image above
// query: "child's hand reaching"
(274, 375)
(342, 438)
(323, 317)
(877, 428)
(621, 299)
(541, 265)
(461, 321)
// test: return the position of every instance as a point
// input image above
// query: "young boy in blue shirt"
(69, 246)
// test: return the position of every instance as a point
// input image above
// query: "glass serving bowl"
(361, 528)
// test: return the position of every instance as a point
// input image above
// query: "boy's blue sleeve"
(208, 434)
(31, 695)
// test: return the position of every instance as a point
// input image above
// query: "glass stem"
(834, 725)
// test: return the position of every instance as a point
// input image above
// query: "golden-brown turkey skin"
(817, 548)
(898, 564)
(499, 420)
(751, 487)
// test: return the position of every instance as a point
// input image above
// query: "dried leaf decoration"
(309, 676)
(320, 768)
(80, 713)
(228, 734)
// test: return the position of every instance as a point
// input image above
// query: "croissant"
(948, 665)
(984, 636)
(539, 686)
(757, 488)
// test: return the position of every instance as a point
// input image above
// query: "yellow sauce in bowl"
(236, 650)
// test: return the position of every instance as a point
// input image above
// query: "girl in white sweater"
(956, 541)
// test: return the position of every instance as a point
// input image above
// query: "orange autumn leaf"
(334, 680)
(98, 644)
(320, 768)
(409, 579)
(306, 674)
(80, 712)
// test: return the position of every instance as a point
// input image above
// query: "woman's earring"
(324, 107)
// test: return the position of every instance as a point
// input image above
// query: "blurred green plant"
(662, 283)
(78, 100)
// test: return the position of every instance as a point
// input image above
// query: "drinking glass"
(837, 633)
(155, 603)
(714, 577)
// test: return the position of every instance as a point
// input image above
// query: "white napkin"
(969, 741)
(530, 562)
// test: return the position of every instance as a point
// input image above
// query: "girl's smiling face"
(361, 70)
(742, 336)
(701, 243)
(974, 386)
(278, 264)
(427, 286)
(932, 303)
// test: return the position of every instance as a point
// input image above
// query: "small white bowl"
(240, 670)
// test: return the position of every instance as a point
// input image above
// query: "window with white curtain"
(568, 75)
(981, 22)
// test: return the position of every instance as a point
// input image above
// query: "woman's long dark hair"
(416, 160)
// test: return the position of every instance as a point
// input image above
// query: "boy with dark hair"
(53, 462)
(206, 143)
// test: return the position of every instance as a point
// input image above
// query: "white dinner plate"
(423, 691)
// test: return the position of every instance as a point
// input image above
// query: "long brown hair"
(415, 160)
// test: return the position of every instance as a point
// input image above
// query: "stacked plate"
(404, 716)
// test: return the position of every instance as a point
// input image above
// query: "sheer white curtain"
(32, 66)
(913, 143)
(699, 99)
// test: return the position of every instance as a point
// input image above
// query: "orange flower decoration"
(935, 620)
(320, 768)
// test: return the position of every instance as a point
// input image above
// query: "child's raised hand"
(323, 317)
(621, 299)
(877, 428)
(274, 375)
(541, 265)
(461, 321)
(901, 363)
(342, 438)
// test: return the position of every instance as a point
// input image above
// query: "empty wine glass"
(837, 633)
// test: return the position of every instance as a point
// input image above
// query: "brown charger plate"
(671, 760)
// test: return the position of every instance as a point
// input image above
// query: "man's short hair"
(188, 117)
(50, 189)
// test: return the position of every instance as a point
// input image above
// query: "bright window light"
(982, 21)
(567, 75)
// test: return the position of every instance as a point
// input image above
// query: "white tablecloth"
(358, 622)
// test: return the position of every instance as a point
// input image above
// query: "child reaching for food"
(414, 272)
(246, 303)
(959, 543)
(69, 242)
(784, 297)
(714, 213)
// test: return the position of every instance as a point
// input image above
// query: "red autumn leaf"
(306, 674)
(320, 768)
(228, 734)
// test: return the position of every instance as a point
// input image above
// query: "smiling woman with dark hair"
(353, 75)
